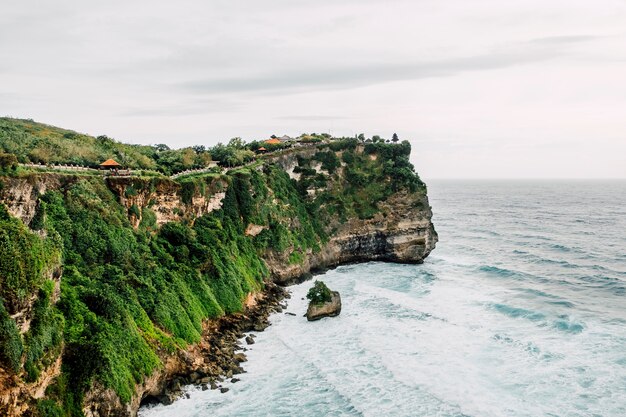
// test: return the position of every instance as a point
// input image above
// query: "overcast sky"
(482, 88)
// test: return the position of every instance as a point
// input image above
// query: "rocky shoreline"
(222, 348)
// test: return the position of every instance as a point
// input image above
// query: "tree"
(395, 138)
(199, 148)
(361, 137)
(8, 162)
(319, 293)
(222, 153)
(375, 138)
(236, 143)
(161, 147)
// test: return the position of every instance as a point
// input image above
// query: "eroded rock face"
(21, 195)
(164, 198)
(331, 308)
(401, 232)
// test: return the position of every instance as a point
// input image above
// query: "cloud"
(565, 40)
(190, 108)
(331, 77)
(311, 118)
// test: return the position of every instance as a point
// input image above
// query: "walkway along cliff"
(115, 289)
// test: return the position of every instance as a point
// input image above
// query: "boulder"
(331, 308)
(240, 357)
(259, 327)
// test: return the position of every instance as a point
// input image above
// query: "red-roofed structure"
(110, 163)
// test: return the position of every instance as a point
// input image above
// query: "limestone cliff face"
(15, 394)
(401, 232)
(21, 195)
(168, 199)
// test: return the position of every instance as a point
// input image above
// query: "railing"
(193, 171)
(117, 172)
(70, 167)
(59, 167)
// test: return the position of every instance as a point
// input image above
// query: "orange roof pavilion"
(273, 142)
(109, 163)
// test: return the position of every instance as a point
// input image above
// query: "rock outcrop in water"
(339, 206)
(331, 308)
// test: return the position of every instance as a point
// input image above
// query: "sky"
(481, 88)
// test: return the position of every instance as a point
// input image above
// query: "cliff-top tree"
(395, 138)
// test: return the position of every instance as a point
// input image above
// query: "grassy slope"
(40, 143)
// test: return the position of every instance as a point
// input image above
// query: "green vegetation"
(31, 142)
(396, 165)
(370, 174)
(8, 163)
(319, 293)
(24, 259)
(45, 334)
(130, 295)
(11, 346)
(127, 294)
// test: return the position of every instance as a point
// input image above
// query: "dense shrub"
(8, 162)
(45, 333)
(319, 293)
(24, 257)
(11, 346)
(329, 160)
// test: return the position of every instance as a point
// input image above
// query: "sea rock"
(249, 340)
(331, 308)
(259, 327)
(240, 357)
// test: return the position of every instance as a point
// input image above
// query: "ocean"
(519, 311)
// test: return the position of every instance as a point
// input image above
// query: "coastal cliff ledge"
(133, 283)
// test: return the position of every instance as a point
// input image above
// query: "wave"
(562, 303)
(529, 348)
(560, 247)
(569, 327)
(510, 273)
(502, 272)
(560, 263)
(516, 312)
(562, 323)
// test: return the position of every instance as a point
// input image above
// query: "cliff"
(156, 272)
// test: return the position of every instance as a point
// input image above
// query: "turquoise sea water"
(520, 311)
